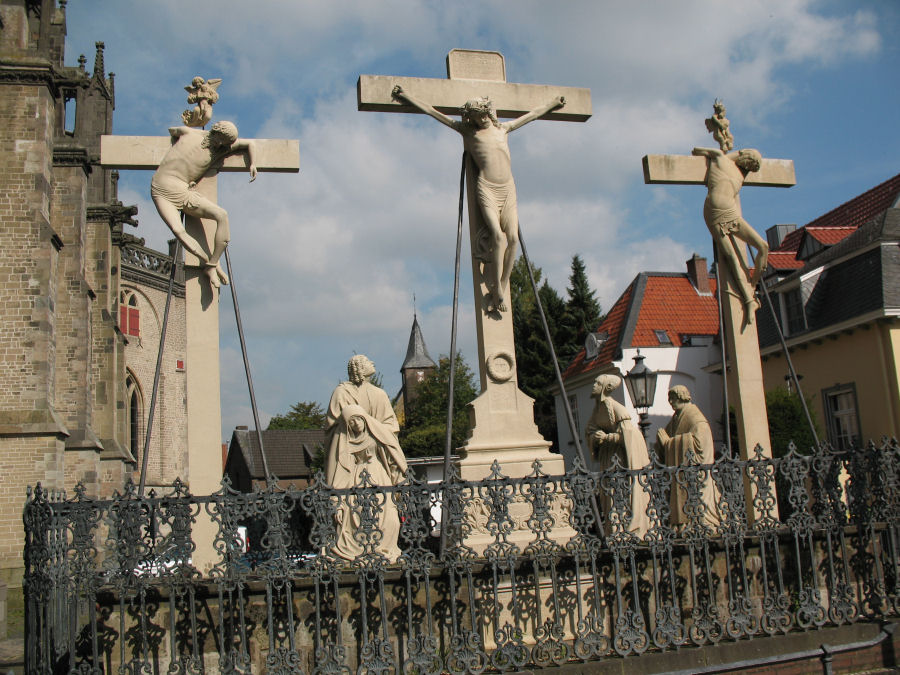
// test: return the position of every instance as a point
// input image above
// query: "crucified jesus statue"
(192, 154)
(485, 141)
(722, 213)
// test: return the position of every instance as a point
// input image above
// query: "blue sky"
(327, 260)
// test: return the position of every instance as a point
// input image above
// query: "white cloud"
(327, 261)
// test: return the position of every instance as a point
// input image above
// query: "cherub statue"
(718, 125)
(204, 93)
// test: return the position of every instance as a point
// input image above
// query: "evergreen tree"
(302, 415)
(534, 363)
(583, 311)
(424, 432)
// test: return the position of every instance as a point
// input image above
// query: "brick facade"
(64, 413)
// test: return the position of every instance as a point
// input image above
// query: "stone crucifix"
(187, 163)
(724, 174)
(502, 417)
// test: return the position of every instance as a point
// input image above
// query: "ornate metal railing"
(528, 578)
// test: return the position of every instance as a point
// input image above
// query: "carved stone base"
(503, 430)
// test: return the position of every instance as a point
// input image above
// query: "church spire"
(417, 353)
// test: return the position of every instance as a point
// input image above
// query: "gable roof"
(285, 452)
(654, 301)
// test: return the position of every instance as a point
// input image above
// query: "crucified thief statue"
(722, 213)
(485, 140)
(192, 154)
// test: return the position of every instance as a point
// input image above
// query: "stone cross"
(745, 380)
(204, 412)
(502, 417)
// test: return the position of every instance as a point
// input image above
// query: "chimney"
(776, 234)
(698, 273)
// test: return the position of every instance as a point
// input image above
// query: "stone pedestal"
(746, 393)
(502, 424)
(204, 413)
(501, 418)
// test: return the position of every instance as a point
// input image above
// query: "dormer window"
(696, 340)
(793, 311)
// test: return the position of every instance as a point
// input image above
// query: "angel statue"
(204, 93)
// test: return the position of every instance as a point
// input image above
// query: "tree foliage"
(534, 361)
(787, 422)
(583, 311)
(423, 434)
(302, 415)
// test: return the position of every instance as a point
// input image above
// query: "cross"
(204, 412)
(502, 417)
(745, 382)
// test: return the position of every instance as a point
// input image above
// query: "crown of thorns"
(479, 105)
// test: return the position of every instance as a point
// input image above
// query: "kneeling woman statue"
(365, 445)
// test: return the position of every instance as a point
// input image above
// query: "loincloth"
(721, 222)
(497, 197)
(179, 195)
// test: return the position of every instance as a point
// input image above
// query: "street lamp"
(641, 384)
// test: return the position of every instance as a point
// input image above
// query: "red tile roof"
(837, 224)
(791, 241)
(612, 324)
(861, 209)
(672, 304)
(653, 301)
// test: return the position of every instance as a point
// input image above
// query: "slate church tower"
(416, 366)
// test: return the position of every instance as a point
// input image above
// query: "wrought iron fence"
(529, 578)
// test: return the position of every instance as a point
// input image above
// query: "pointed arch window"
(129, 313)
(134, 404)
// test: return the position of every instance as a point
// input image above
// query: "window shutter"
(134, 321)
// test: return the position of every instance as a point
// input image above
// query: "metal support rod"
(719, 276)
(559, 381)
(453, 330)
(240, 327)
(159, 356)
(790, 363)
